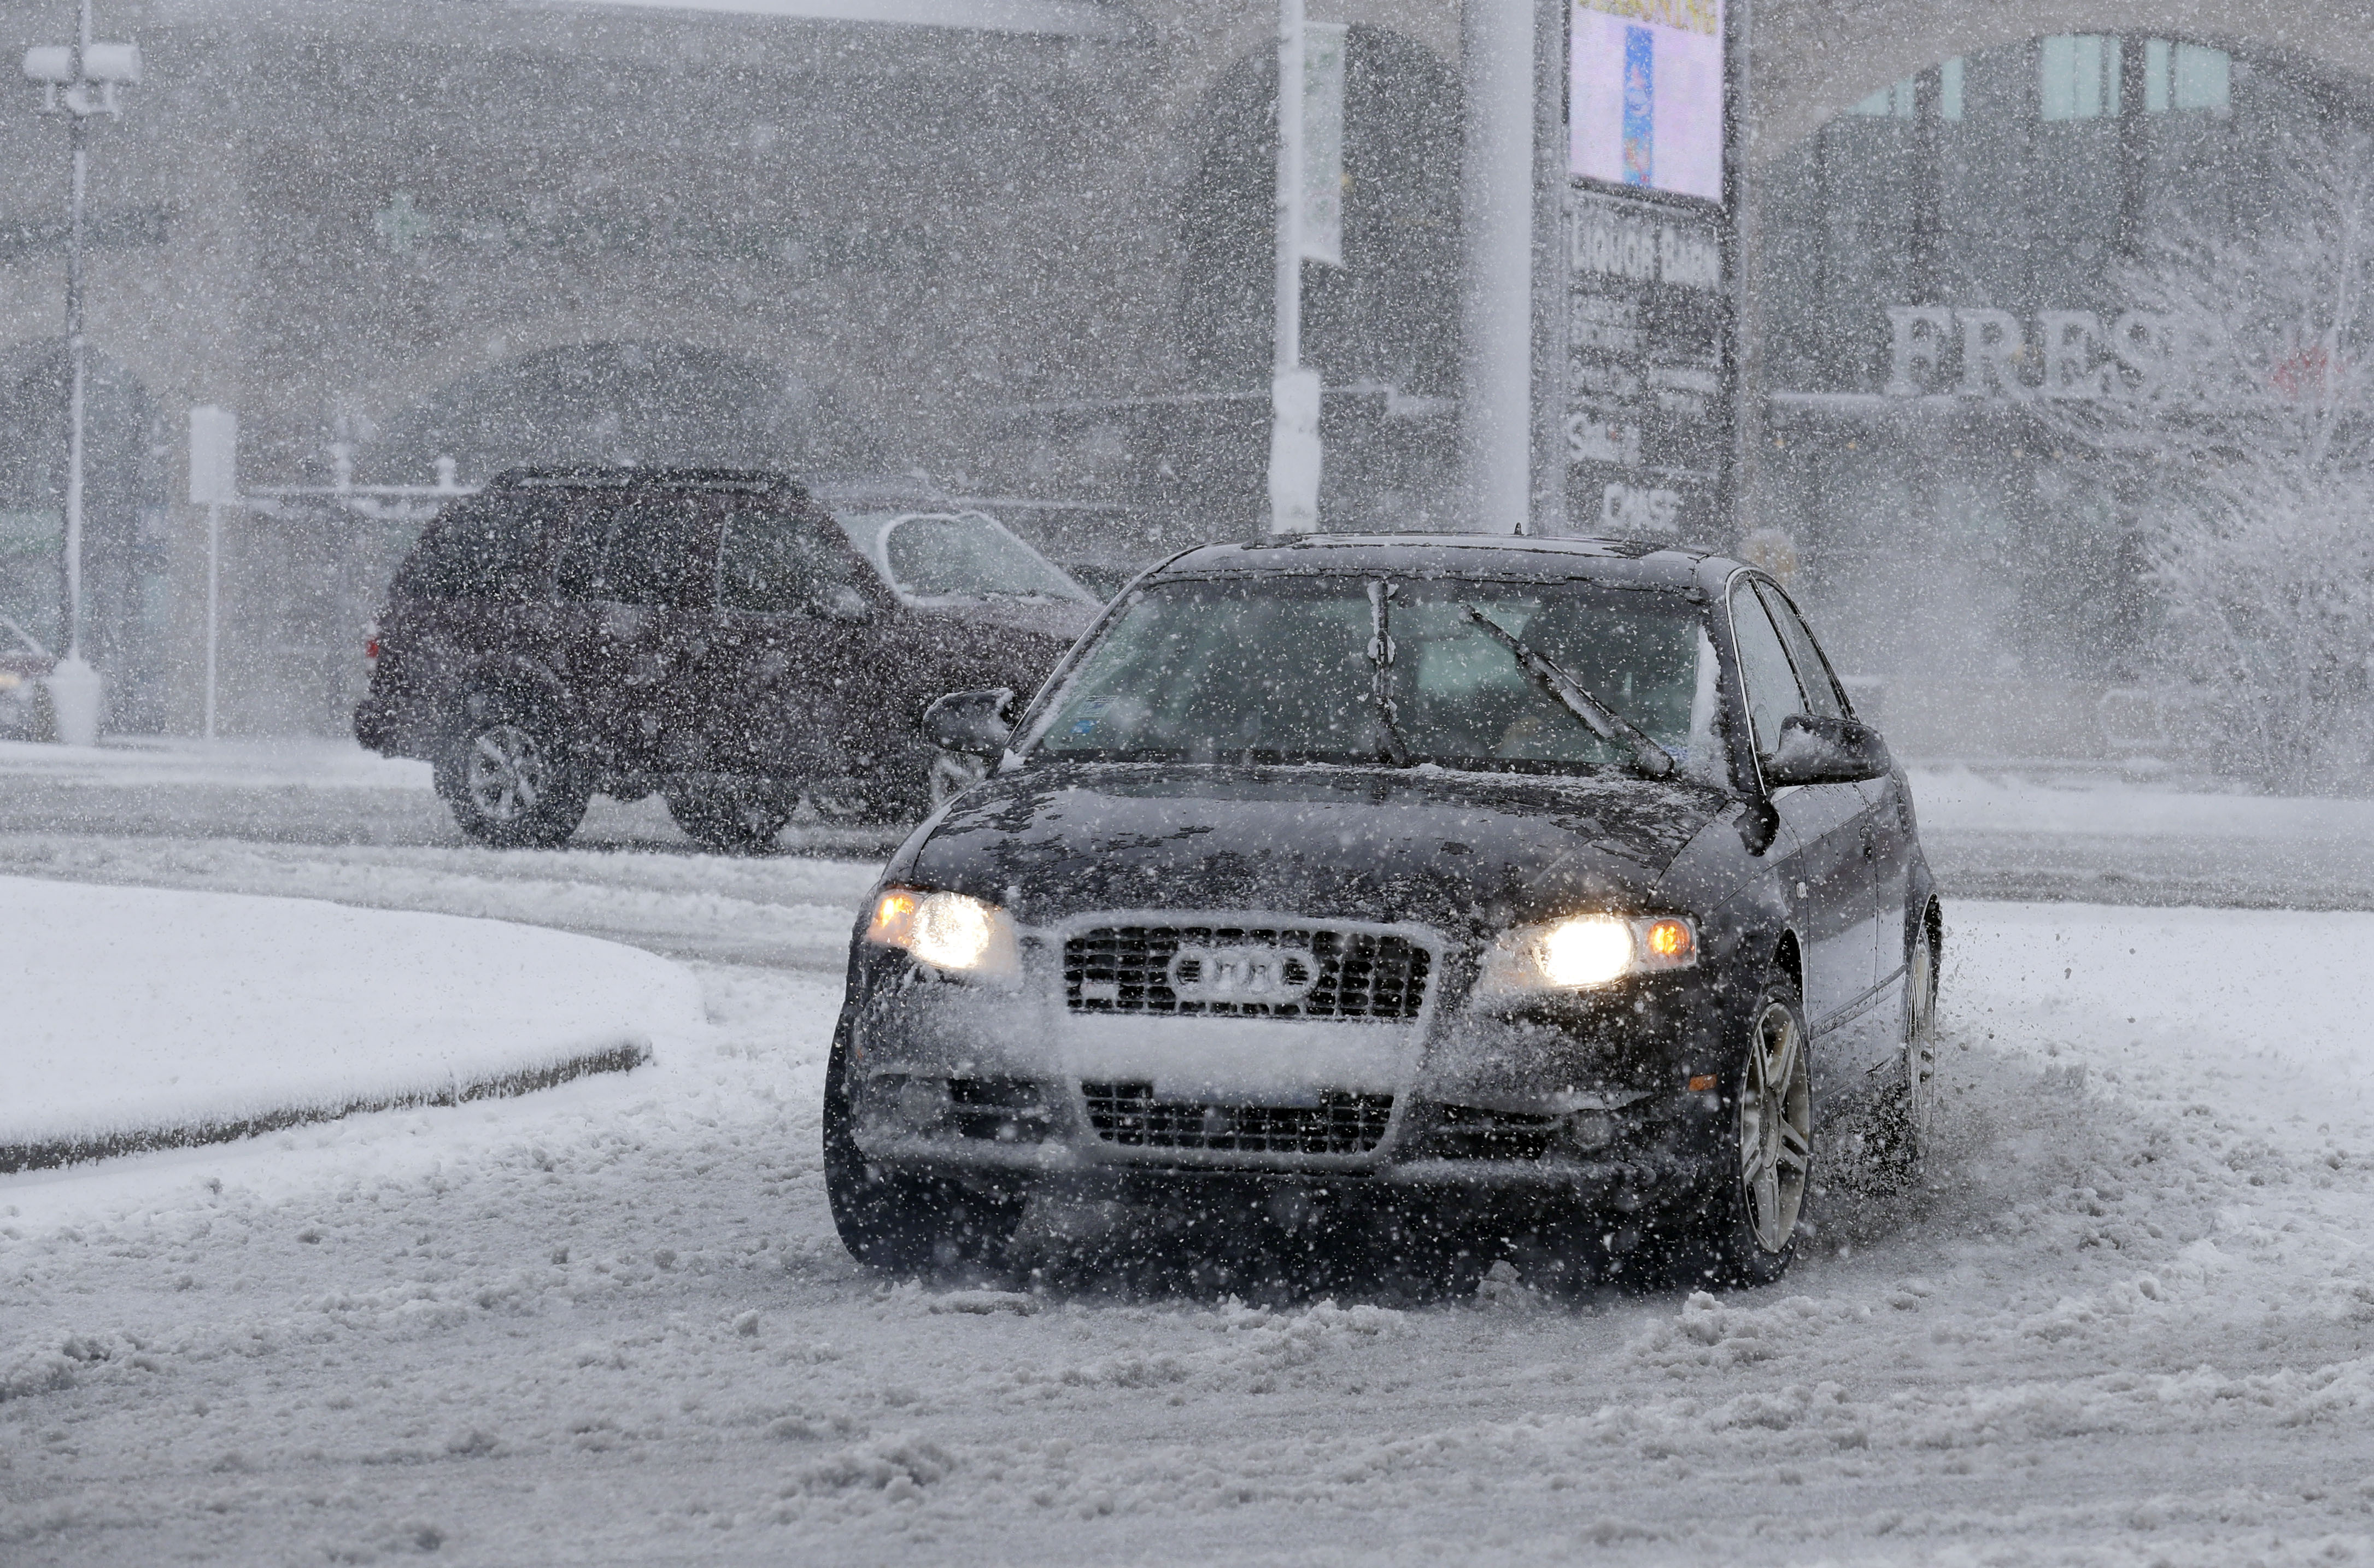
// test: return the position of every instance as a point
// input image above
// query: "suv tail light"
(371, 651)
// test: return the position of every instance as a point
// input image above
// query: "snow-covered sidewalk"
(138, 1018)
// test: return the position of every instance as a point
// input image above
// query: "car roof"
(619, 476)
(1626, 562)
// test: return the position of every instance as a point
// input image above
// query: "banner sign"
(214, 456)
(1645, 104)
(1640, 305)
(1649, 418)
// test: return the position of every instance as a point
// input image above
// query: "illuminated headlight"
(1582, 951)
(946, 931)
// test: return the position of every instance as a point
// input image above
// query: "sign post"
(1649, 381)
(1310, 228)
(214, 483)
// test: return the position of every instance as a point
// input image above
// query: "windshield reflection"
(1283, 671)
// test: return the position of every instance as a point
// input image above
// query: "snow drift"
(138, 1018)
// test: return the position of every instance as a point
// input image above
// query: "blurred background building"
(1021, 248)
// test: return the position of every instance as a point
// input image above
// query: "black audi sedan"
(1525, 885)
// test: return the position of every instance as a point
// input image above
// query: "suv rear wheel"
(509, 775)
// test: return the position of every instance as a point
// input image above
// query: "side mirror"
(971, 723)
(1825, 751)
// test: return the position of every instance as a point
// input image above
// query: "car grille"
(1349, 974)
(1468, 1132)
(1129, 1115)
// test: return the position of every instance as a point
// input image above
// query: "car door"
(790, 682)
(1829, 886)
(1886, 843)
(635, 580)
(1868, 1026)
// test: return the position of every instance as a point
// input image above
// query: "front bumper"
(1586, 1098)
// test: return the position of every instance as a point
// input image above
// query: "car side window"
(644, 551)
(776, 563)
(1770, 684)
(1813, 677)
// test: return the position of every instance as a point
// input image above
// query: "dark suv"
(715, 636)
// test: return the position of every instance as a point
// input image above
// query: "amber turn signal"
(1671, 941)
(1702, 1081)
(894, 917)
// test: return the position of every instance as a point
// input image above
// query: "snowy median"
(143, 1019)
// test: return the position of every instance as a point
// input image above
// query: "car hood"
(1459, 851)
(1059, 620)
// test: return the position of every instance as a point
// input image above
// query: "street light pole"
(1288, 346)
(1294, 450)
(79, 140)
(78, 81)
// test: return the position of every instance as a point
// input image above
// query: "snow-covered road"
(610, 1323)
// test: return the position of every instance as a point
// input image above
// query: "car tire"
(510, 774)
(1746, 1230)
(902, 1221)
(727, 821)
(1910, 1116)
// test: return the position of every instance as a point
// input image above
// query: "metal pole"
(79, 140)
(1288, 349)
(1552, 262)
(214, 605)
(1497, 190)
(1295, 454)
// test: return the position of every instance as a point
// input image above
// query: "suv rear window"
(476, 550)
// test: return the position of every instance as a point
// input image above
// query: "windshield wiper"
(1601, 719)
(1380, 672)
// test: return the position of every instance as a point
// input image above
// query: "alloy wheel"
(509, 773)
(1776, 1142)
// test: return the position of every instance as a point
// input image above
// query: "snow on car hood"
(1460, 851)
(1061, 620)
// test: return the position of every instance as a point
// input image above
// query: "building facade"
(1020, 246)
(1944, 267)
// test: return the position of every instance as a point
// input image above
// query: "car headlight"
(1582, 951)
(947, 930)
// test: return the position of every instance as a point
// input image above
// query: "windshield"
(962, 555)
(1281, 669)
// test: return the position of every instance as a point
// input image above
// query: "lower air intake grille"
(1129, 1115)
(1316, 973)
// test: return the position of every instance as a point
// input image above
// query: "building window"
(1898, 102)
(2078, 77)
(2186, 77)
